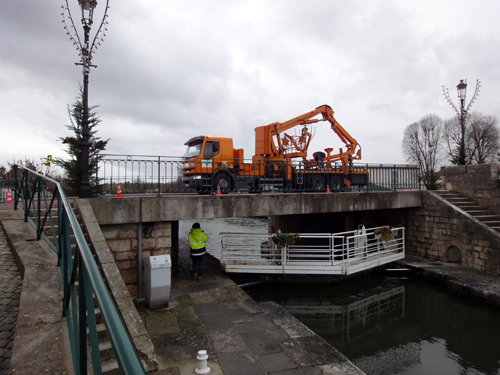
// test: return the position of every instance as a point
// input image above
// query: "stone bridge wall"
(479, 182)
(122, 240)
(442, 232)
(119, 218)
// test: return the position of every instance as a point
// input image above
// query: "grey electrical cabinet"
(157, 277)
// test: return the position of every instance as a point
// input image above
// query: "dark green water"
(396, 326)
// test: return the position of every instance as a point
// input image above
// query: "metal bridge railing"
(315, 253)
(141, 174)
(38, 195)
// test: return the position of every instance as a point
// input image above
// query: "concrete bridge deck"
(172, 207)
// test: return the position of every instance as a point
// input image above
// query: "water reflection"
(396, 326)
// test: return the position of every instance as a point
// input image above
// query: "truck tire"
(317, 183)
(336, 183)
(223, 180)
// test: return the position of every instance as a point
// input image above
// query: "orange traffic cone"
(9, 198)
(119, 191)
(218, 190)
(328, 189)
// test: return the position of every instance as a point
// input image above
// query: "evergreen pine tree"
(72, 166)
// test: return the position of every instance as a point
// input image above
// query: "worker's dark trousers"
(197, 264)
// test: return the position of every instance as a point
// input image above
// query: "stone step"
(445, 192)
(106, 351)
(493, 223)
(486, 217)
(463, 204)
(472, 208)
(477, 212)
(97, 313)
(102, 334)
(460, 201)
(110, 368)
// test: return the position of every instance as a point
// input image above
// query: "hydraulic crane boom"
(285, 146)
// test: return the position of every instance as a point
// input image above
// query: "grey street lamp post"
(462, 91)
(461, 158)
(86, 53)
(87, 7)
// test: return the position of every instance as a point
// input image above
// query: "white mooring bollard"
(202, 366)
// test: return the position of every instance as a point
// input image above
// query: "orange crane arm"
(265, 146)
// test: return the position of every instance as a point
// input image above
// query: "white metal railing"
(317, 253)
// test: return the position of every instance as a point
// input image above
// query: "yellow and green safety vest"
(197, 240)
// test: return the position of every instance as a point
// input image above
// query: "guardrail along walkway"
(82, 284)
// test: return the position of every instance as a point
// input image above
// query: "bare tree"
(452, 136)
(421, 144)
(482, 138)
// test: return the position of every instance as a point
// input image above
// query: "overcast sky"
(171, 70)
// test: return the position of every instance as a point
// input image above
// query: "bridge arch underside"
(334, 222)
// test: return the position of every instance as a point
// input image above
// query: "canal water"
(396, 326)
(384, 325)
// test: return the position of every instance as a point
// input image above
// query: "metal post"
(159, 171)
(139, 261)
(38, 187)
(84, 179)
(461, 159)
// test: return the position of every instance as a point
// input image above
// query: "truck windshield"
(193, 150)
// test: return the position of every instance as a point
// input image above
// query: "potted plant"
(283, 240)
(384, 233)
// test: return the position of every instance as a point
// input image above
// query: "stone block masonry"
(440, 231)
(122, 240)
(479, 181)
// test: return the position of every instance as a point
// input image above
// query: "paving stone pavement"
(241, 336)
(10, 293)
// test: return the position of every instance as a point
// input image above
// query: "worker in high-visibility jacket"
(197, 241)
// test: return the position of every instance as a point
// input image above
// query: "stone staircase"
(108, 361)
(468, 205)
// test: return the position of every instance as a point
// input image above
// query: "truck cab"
(210, 161)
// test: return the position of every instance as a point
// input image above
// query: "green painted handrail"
(78, 305)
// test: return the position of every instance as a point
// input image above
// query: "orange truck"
(280, 162)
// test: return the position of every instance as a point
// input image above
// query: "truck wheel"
(336, 183)
(318, 183)
(224, 181)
